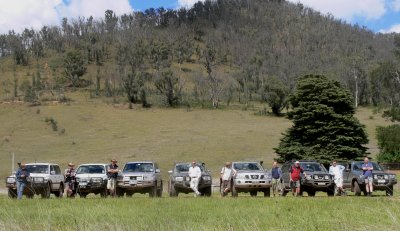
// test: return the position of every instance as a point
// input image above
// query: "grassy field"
(243, 213)
(96, 131)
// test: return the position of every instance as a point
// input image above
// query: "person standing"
(367, 168)
(112, 174)
(337, 172)
(226, 175)
(276, 174)
(70, 180)
(295, 176)
(22, 179)
(195, 174)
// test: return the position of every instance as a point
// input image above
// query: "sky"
(377, 15)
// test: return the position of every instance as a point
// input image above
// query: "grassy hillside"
(96, 131)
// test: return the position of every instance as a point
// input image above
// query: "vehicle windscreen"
(376, 166)
(37, 168)
(91, 169)
(312, 167)
(247, 166)
(184, 167)
(139, 167)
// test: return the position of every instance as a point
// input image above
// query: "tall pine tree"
(324, 127)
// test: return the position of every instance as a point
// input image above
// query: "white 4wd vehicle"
(92, 178)
(250, 177)
(44, 179)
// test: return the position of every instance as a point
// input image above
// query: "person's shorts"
(368, 179)
(295, 184)
(339, 182)
(111, 183)
(226, 184)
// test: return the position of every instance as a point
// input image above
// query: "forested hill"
(214, 53)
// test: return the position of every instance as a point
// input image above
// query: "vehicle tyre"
(46, 191)
(330, 192)
(83, 195)
(30, 195)
(207, 191)
(12, 193)
(160, 190)
(153, 191)
(357, 189)
(389, 191)
(171, 190)
(284, 192)
(104, 192)
(234, 191)
(119, 192)
(311, 193)
(60, 191)
(267, 192)
(129, 194)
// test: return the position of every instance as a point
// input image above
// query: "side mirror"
(170, 171)
(52, 172)
(158, 170)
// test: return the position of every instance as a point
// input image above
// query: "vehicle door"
(55, 182)
(157, 174)
(286, 175)
(347, 175)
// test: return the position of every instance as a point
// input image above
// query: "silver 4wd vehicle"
(45, 178)
(250, 177)
(353, 178)
(92, 178)
(140, 177)
(317, 178)
(179, 180)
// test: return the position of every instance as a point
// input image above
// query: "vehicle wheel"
(389, 191)
(129, 194)
(284, 192)
(234, 191)
(267, 192)
(311, 193)
(119, 192)
(171, 190)
(207, 191)
(83, 195)
(153, 191)
(330, 192)
(46, 191)
(30, 195)
(12, 193)
(357, 190)
(160, 190)
(60, 191)
(253, 194)
(104, 192)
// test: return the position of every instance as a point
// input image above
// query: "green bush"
(389, 143)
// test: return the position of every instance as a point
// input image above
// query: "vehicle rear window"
(139, 167)
(91, 169)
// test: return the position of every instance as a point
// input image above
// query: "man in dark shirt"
(70, 180)
(367, 168)
(276, 174)
(22, 174)
(112, 174)
(295, 176)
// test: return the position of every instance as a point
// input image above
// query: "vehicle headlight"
(179, 178)
(240, 176)
(78, 179)
(207, 178)
(308, 177)
(126, 178)
(375, 177)
(148, 178)
(97, 180)
(392, 176)
(386, 177)
(326, 177)
(10, 180)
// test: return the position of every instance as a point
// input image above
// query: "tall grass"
(186, 213)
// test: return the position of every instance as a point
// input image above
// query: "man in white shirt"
(337, 172)
(194, 174)
(226, 174)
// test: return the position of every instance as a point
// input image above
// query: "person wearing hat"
(70, 180)
(295, 176)
(195, 174)
(22, 174)
(112, 174)
(226, 175)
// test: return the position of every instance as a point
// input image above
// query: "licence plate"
(321, 183)
(381, 181)
(132, 182)
(82, 184)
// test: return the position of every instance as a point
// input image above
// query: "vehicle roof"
(246, 162)
(40, 164)
(144, 162)
(93, 164)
